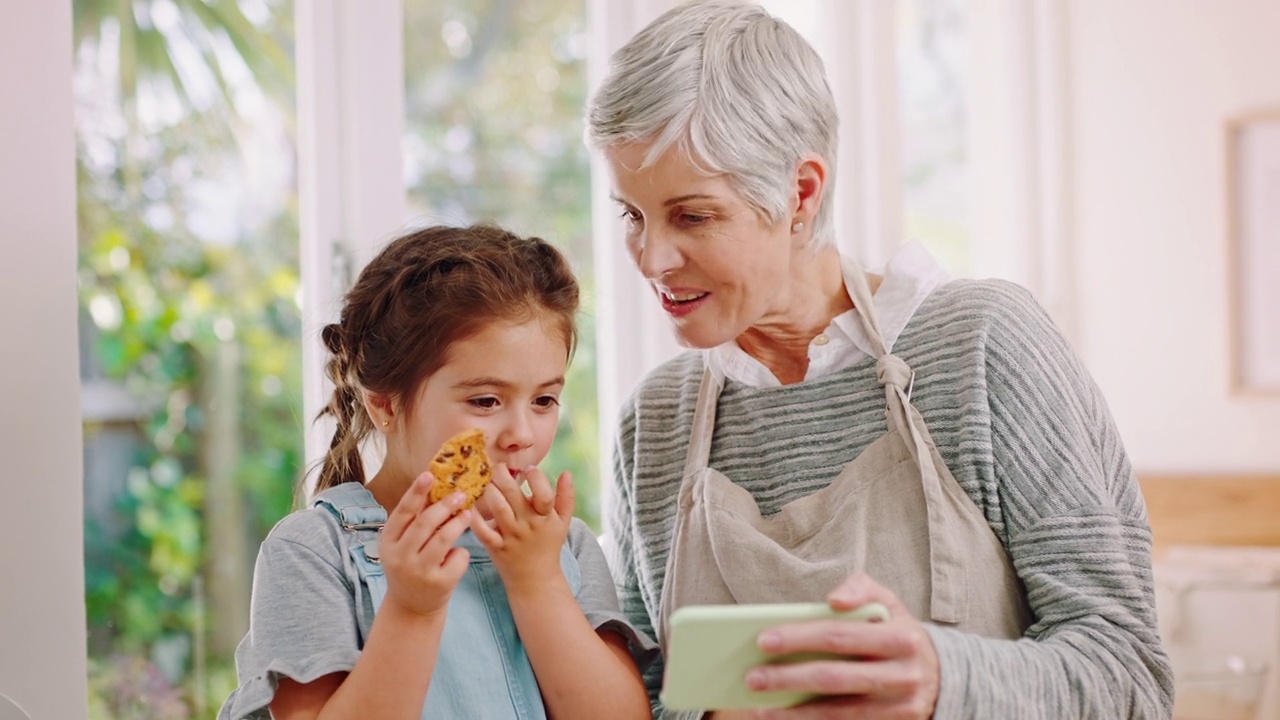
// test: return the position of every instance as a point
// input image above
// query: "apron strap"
(946, 581)
(946, 566)
(704, 423)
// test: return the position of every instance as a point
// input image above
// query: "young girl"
(376, 603)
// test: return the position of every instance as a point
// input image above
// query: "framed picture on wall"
(1253, 180)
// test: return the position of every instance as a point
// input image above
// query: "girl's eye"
(693, 218)
(547, 401)
(631, 216)
(484, 403)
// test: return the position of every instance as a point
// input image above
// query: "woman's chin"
(701, 338)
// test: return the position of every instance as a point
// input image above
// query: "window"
(932, 96)
(192, 330)
(898, 73)
(195, 310)
(189, 283)
(494, 93)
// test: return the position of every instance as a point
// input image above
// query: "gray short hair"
(739, 91)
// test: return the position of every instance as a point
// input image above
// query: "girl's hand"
(416, 547)
(891, 670)
(526, 533)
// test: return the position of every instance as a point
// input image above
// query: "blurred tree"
(188, 257)
(186, 43)
(189, 286)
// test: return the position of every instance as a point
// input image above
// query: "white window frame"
(351, 194)
(1019, 133)
(43, 660)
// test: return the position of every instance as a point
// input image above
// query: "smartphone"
(713, 646)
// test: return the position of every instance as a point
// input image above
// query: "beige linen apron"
(895, 512)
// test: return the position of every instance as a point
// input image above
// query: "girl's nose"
(516, 433)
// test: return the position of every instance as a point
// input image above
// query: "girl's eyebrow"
(492, 382)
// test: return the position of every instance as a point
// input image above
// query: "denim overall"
(480, 634)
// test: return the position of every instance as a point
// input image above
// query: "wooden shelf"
(1212, 509)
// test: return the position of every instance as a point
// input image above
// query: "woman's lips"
(679, 303)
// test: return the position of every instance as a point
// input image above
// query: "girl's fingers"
(485, 533)
(426, 523)
(455, 563)
(541, 496)
(510, 491)
(566, 495)
(447, 534)
(411, 503)
(501, 511)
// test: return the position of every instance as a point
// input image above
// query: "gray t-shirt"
(309, 615)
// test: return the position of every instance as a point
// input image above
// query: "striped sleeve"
(620, 530)
(1078, 536)
(621, 527)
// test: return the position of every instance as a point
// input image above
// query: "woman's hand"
(526, 533)
(417, 553)
(891, 670)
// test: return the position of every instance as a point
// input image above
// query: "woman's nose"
(655, 253)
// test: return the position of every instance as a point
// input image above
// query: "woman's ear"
(381, 411)
(810, 185)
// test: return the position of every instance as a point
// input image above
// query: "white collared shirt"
(909, 277)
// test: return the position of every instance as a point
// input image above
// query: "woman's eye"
(547, 401)
(693, 219)
(632, 217)
(484, 403)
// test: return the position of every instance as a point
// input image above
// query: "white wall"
(42, 621)
(1152, 84)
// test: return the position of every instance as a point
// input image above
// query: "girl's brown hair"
(422, 293)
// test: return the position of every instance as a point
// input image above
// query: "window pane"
(931, 63)
(494, 97)
(190, 335)
(801, 15)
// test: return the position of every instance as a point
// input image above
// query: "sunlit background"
(189, 276)
(1076, 147)
(189, 288)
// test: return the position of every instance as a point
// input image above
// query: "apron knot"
(892, 370)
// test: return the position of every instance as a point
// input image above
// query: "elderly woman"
(933, 445)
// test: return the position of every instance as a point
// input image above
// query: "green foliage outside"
(494, 92)
(171, 288)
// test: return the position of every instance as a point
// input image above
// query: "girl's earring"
(386, 423)
(796, 227)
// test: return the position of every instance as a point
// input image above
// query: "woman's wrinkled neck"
(815, 296)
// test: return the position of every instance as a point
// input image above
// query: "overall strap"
(357, 512)
(353, 505)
